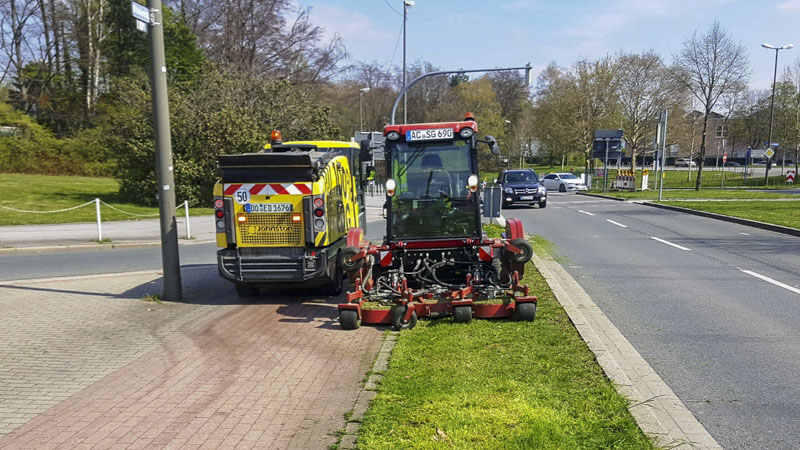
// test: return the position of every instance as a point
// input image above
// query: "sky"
(474, 34)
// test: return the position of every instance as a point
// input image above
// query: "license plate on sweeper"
(268, 207)
(429, 135)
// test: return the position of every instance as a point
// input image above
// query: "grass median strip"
(779, 213)
(498, 384)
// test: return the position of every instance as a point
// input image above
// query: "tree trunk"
(47, 42)
(702, 152)
(56, 39)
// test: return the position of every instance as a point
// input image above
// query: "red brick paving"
(268, 375)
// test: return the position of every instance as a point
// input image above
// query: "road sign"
(769, 153)
(790, 176)
(141, 12)
(724, 158)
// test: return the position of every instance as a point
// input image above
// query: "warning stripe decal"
(270, 189)
(319, 239)
(232, 188)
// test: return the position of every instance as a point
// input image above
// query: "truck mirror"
(493, 145)
(366, 151)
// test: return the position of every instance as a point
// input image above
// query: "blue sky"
(476, 34)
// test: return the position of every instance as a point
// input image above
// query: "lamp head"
(769, 46)
(364, 90)
(409, 3)
(788, 46)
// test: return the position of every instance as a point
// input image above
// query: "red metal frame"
(456, 126)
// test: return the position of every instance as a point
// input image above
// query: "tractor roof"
(456, 126)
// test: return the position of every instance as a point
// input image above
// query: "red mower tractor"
(435, 260)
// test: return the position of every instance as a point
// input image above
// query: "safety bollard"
(99, 227)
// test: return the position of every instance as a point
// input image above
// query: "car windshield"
(432, 198)
(521, 177)
(568, 176)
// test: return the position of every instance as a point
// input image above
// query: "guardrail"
(97, 202)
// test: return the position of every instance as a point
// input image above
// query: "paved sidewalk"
(88, 363)
(84, 234)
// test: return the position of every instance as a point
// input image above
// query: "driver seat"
(437, 179)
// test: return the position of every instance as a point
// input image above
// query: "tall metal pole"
(360, 112)
(405, 100)
(771, 115)
(605, 168)
(663, 154)
(170, 259)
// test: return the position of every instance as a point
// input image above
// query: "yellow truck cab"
(282, 215)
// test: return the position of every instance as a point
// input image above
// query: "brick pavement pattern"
(86, 363)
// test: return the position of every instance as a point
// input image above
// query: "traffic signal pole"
(170, 259)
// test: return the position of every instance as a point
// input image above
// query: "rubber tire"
(462, 314)
(562, 188)
(527, 251)
(348, 319)
(246, 290)
(344, 260)
(398, 313)
(337, 284)
(526, 312)
(543, 204)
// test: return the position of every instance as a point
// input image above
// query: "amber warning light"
(275, 137)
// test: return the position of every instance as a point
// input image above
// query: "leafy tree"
(223, 114)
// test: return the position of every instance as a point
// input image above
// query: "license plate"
(429, 135)
(526, 197)
(268, 207)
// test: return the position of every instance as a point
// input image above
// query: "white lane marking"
(670, 243)
(770, 280)
(585, 212)
(616, 223)
(744, 234)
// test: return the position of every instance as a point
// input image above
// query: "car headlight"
(508, 190)
(542, 189)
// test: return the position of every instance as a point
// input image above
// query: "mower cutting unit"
(435, 260)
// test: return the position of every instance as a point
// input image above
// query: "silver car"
(563, 182)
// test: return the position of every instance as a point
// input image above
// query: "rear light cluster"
(319, 212)
(219, 213)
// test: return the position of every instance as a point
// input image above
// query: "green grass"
(702, 194)
(778, 213)
(498, 384)
(47, 193)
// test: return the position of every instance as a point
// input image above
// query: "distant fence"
(97, 202)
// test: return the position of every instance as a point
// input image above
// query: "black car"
(521, 186)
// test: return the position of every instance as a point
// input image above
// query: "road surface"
(712, 306)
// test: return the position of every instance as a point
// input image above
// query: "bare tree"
(258, 37)
(709, 66)
(644, 88)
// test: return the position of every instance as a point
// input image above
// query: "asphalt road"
(712, 306)
(18, 266)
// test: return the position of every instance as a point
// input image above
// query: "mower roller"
(435, 260)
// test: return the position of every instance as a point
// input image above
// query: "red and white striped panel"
(485, 253)
(386, 258)
(270, 188)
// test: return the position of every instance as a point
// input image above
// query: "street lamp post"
(406, 4)
(508, 124)
(361, 93)
(772, 101)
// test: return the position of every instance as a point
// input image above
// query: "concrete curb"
(368, 392)
(607, 197)
(740, 221)
(84, 247)
(655, 407)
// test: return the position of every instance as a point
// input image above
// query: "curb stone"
(655, 407)
(83, 247)
(368, 392)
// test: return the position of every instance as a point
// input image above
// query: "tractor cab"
(432, 181)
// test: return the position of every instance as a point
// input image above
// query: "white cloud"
(789, 5)
(359, 32)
